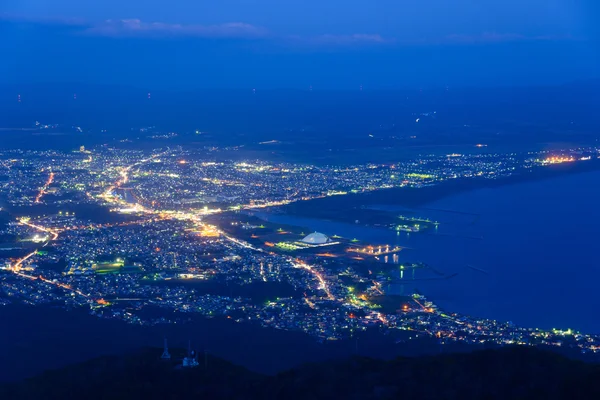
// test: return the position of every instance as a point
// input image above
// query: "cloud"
(138, 28)
(134, 27)
(357, 38)
(493, 37)
(127, 28)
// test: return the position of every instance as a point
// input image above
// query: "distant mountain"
(510, 373)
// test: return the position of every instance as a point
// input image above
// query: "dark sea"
(525, 253)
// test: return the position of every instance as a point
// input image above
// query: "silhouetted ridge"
(512, 373)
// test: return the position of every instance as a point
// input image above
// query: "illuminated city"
(299, 199)
(118, 231)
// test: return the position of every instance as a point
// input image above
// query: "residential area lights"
(160, 229)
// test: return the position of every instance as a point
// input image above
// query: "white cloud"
(138, 28)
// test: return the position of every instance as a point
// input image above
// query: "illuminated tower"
(165, 354)
(191, 360)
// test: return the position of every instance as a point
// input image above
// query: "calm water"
(537, 242)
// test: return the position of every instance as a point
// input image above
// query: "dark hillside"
(512, 373)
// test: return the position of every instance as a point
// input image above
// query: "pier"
(376, 250)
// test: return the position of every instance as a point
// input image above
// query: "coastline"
(412, 197)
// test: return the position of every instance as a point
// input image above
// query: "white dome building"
(316, 239)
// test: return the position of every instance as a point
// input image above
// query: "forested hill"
(511, 373)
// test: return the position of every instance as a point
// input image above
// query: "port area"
(369, 269)
(396, 304)
(301, 241)
(408, 220)
(414, 224)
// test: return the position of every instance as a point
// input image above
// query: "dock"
(376, 250)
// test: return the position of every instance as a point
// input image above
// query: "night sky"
(298, 43)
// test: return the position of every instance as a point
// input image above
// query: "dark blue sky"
(297, 43)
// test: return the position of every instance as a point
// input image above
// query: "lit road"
(155, 214)
(53, 233)
(322, 283)
(196, 219)
(17, 266)
(44, 188)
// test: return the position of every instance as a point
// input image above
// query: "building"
(316, 239)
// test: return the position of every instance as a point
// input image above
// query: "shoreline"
(413, 197)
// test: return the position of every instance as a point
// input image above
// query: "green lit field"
(413, 224)
(118, 267)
